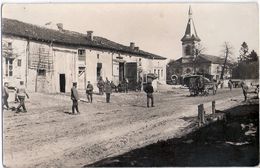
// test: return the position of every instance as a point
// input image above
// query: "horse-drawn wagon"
(198, 84)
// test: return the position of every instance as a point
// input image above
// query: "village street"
(48, 136)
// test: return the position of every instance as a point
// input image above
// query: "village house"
(193, 61)
(49, 60)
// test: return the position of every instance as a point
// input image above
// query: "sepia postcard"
(137, 84)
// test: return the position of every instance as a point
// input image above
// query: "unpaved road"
(48, 136)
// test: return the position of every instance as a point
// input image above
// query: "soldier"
(21, 93)
(126, 82)
(89, 92)
(5, 96)
(149, 92)
(245, 89)
(230, 84)
(74, 98)
(108, 90)
(100, 86)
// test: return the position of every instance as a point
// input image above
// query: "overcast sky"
(155, 28)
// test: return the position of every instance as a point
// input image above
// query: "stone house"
(49, 60)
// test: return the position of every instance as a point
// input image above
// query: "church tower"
(189, 40)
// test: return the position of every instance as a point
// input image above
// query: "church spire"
(190, 13)
(190, 32)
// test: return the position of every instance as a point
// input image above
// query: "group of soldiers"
(20, 96)
(107, 87)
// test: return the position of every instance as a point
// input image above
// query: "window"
(9, 45)
(81, 70)
(188, 50)
(81, 55)
(98, 56)
(19, 62)
(99, 67)
(41, 72)
(158, 73)
(161, 73)
(154, 71)
(188, 70)
(8, 67)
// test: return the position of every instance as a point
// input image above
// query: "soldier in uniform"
(230, 84)
(21, 93)
(5, 95)
(100, 86)
(89, 92)
(149, 93)
(74, 98)
(245, 89)
(108, 90)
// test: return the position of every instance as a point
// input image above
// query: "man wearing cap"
(21, 93)
(74, 98)
(5, 96)
(89, 92)
(108, 90)
(149, 92)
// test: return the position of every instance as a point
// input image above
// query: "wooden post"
(213, 107)
(201, 114)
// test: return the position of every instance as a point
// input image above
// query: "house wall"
(19, 47)
(65, 63)
(92, 58)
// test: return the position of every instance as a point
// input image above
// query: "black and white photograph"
(133, 84)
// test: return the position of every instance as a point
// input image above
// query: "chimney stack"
(136, 48)
(132, 45)
(60, 26)
(90, 35)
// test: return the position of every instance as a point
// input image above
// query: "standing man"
(5, 96)
(108, 90)
(245, 89)
(149, 92)
(74, 98)
(21, 93)
(230, 84)
(126, 85)
(100, 86)
(89, 92)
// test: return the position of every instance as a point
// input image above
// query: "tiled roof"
(204, 58)
(65, 37)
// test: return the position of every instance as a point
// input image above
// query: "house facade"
(193, 61)
(50, 60)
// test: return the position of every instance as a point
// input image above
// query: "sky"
(154, 27)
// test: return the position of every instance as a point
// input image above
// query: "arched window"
(188, 70)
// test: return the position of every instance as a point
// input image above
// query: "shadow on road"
(234, 142)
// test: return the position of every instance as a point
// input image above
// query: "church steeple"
(190, 38)
(190, 32)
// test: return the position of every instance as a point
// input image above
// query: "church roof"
(190, 32)
(205, 58)
(69, 38)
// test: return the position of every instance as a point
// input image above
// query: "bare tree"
(227, 54)
(198, 49)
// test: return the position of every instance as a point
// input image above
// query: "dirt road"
(48, 136)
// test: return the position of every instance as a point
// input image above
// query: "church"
(193, 61)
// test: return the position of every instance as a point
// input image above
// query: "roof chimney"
(136, 48)
(60, 26)
(90, 35)
(132, 45)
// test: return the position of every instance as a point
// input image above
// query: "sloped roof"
(65, 37)
(205, 58)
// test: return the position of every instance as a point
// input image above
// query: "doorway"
(121, 71)
(131, 74)
(62, 83)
